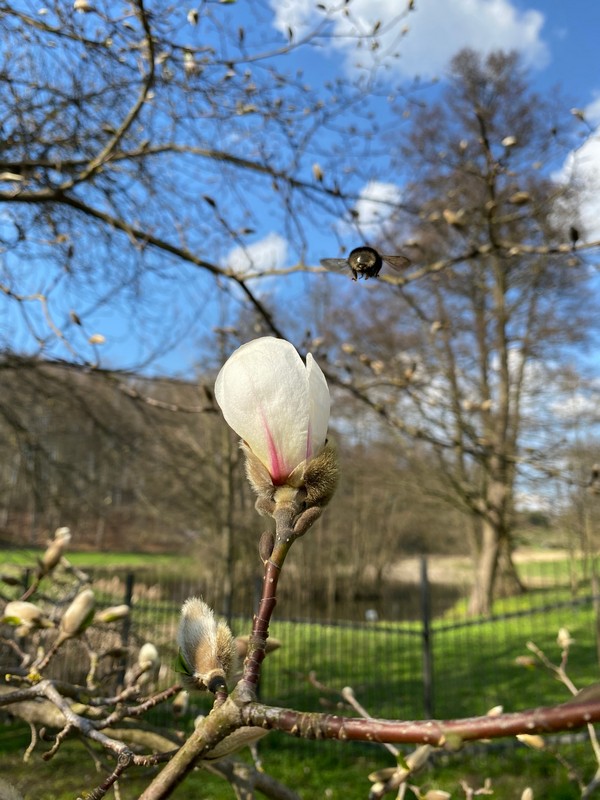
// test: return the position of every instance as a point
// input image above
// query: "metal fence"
(438, 663)
(442, 664)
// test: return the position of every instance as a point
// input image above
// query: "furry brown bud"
(148, 665)
(318, 478)
(321, 477)
(266, 544)
(207, 651)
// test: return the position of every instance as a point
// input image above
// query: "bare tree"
(139, 146)
(463, 354)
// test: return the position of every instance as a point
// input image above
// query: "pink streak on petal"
(277, 468)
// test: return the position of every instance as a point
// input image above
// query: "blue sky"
(558, 40)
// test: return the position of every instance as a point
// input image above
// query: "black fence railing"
(437, 664)
(442, 665)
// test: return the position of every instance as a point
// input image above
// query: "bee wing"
(396, 262)
(335, 264)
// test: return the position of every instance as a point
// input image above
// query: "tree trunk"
(494, 536)
(508, 582)
(482, 594)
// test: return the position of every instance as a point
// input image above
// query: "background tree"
(467, 359)
(114, 193)
(140, 145)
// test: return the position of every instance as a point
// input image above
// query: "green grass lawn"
(474, 669)
(27, 557)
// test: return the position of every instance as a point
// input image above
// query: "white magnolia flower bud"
(564, 638)
(78, 615)
(148, 654)
(207, 650)
(180, 703)
(280, 408)
(275, 403)
(149, 662)
(26, 616)
(55, 550)
(112, 614)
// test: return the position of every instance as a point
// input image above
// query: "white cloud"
(592, 111)
(581, 170)
(375, 207)
(263, 255)
(437, 29)
(578, 407)
(533, 501)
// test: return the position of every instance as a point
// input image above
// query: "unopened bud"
(206, 647)
(25, 616)
(532, 740)
(321, 477)
(266, 544)
(54, 551)
(564, 638)
(242, 643)
(180, 703)
(112, 614)
(148, 664)
(148, 655)
(78, 615)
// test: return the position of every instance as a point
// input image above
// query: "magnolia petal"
(320, 402)
(263, 391)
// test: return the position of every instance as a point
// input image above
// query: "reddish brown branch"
(450, 733)
(260, 628)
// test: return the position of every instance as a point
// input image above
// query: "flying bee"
(365, 262)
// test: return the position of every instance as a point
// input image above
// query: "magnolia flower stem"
(226, 717)
(284, 538)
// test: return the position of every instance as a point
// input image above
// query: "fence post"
(426, 637)
(26, 578)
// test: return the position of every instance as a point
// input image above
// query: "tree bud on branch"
(54, 551)
(25, 616)
(207, 650)
(78, 615)
(148, 665)
(113, 613)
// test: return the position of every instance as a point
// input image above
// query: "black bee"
(365, 262)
